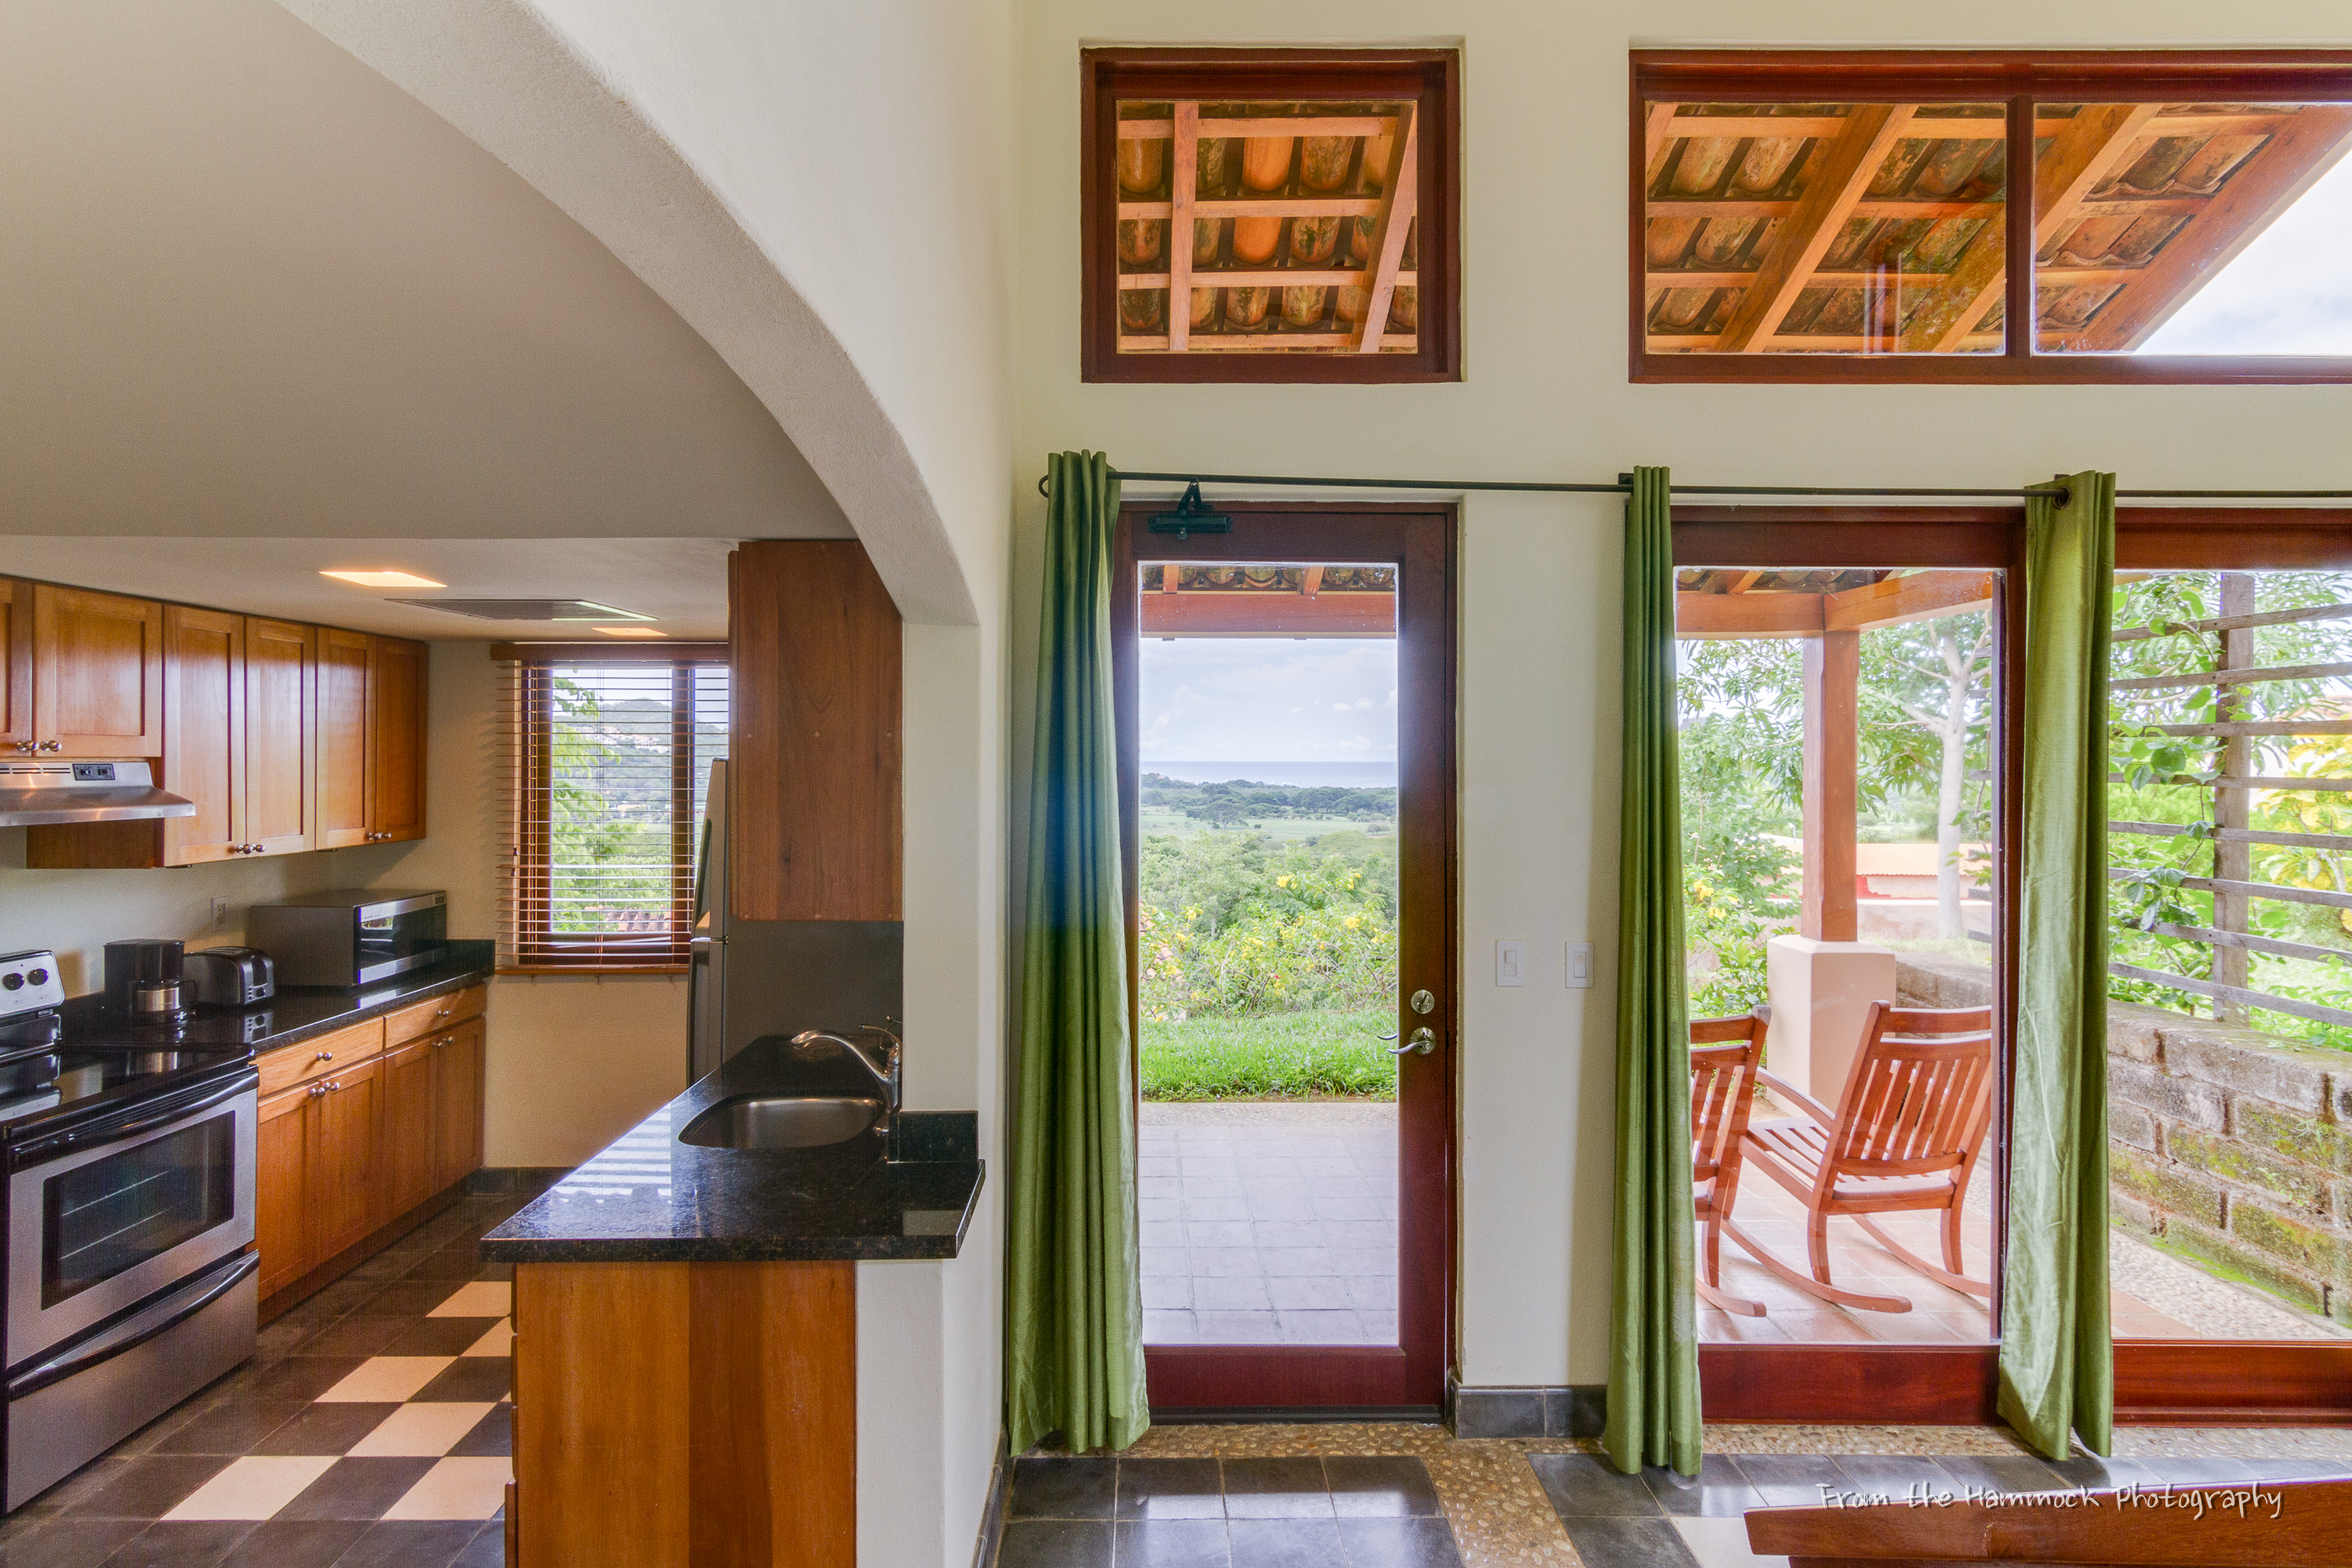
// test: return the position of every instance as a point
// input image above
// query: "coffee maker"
(142, 977)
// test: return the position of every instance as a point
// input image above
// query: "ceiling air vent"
(526, 609)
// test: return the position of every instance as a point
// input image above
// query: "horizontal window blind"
(607, 765)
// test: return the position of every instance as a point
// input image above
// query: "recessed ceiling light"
(385, 579)
(631, 632)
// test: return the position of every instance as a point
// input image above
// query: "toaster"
(228, 976)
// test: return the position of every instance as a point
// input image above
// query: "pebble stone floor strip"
(1553, 1503)
(371, 1429)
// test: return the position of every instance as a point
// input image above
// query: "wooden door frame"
(1407, 1378)
(2156, 1382)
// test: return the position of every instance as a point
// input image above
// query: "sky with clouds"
(2289, 291)
(1246, 699)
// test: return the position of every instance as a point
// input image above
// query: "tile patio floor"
(1267, 1223)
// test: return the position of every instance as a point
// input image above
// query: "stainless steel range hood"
(34, 794)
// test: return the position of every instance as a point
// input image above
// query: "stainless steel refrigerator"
(756, 978)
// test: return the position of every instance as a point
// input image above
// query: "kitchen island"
(686, 1343)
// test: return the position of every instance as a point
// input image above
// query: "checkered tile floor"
(372, 1429)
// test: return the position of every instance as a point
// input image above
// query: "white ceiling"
(253, 292)
(669, 579)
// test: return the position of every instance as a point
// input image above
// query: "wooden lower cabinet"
(412, 1166)
(457, 1067)
(281, 1188)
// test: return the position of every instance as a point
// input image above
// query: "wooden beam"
(1267, 278)
(1898, 600)
(1832, 192)
(1183, 174)
(1692, 278)
(2303, 148)
(1270, 615)
(1265, 342)
(1832, 677)
(1310, 580)
(1715, 615)
(2064, 174)
(1904, 207)
(1264, 206)
(1264, 125)
(1747, 580)
(1656, 122)
(1397, 202)
(2189, 123)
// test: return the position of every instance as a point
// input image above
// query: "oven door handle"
(139, 1328)
(25, 1154)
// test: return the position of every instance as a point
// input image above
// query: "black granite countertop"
(297, 1012)
(649, 1198)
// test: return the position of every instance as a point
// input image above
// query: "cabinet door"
(458, 1100)
(340, 757)
(396, 739)
(98, 673)
(346, 1157)
(279, 701)
(203, 733)
(15, 665)
(411, 1152)
(282, 1187)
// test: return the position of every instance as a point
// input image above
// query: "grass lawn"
(1282, 1056)
(1280, 829)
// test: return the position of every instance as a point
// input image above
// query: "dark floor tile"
(1792, 1481)
(439, 1336)
(1584, 1486)
(181, 1543)
(1062, 1488)
(1055, 1543)
(1629, 1543)
(1717, 1491)
(1384, 1487)
(456, 1263)
(232, 1426)
(325, 1428)
(149, 1487)
(356, 1488)
(332, 1301)
(359, 1333)
(294, 1544)
(1276, 1489)
(1168, 1542)
(2001, 1473)
(502, 1273)
(281, 1339)
(492, 1435)
(301, 1376)
(487, 1550)
(1397, 1543)
(68, 1542)
(411, 1297)
(1284, 1542)
(390, 1264)
(1170, 1489)
(1894, 1477)
(81, 1486)
(481, 1379)
(409, 1543)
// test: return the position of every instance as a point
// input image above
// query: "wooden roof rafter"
(1709, 611)
(1398, 192)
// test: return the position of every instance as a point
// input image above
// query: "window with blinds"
(609, 764)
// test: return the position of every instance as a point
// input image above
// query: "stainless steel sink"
(782, 1122)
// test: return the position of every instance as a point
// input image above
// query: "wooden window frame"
(535, 948)
(2018, 79)
(1431, 77)
(2158, 1382)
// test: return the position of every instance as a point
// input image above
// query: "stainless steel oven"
(130, 1281)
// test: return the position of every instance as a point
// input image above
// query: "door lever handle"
(1421, 1042)
(1389, 1036)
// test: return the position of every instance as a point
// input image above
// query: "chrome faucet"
(887, 1062)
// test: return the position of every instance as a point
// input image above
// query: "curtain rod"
(1625, 483)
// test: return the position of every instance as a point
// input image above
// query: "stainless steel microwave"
(351, 936)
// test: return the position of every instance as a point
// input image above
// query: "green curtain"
(1652, 1416)
(1074, 1310)
(2057, 1366)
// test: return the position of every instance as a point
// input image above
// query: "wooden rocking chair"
(1905, 1137)
(1725, 1056)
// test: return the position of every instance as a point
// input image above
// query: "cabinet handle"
(326, 1055)
(52, 745)
(28, 747)
(317, 1090)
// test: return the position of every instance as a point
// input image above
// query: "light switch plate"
(1510, 964)
(1576, 965)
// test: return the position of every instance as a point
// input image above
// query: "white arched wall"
(824, 193)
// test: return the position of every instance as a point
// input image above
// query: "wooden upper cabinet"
(814, 784)
(280, 705)
(16, 665)
(98, 673)
(395, 740)
(203, 733)
(341, 755)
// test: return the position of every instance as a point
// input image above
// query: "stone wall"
(2232, 1146)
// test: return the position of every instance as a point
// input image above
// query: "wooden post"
(1832, 680)
(2233, 859)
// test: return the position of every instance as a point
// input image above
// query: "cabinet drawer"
(435, 1013)
(316, 1058)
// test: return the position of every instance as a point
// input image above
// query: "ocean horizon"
(1297, 774)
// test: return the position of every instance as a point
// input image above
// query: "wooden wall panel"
(813, 783)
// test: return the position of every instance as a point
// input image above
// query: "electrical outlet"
(1576, 965)
(1510, 964)
(220, 914)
